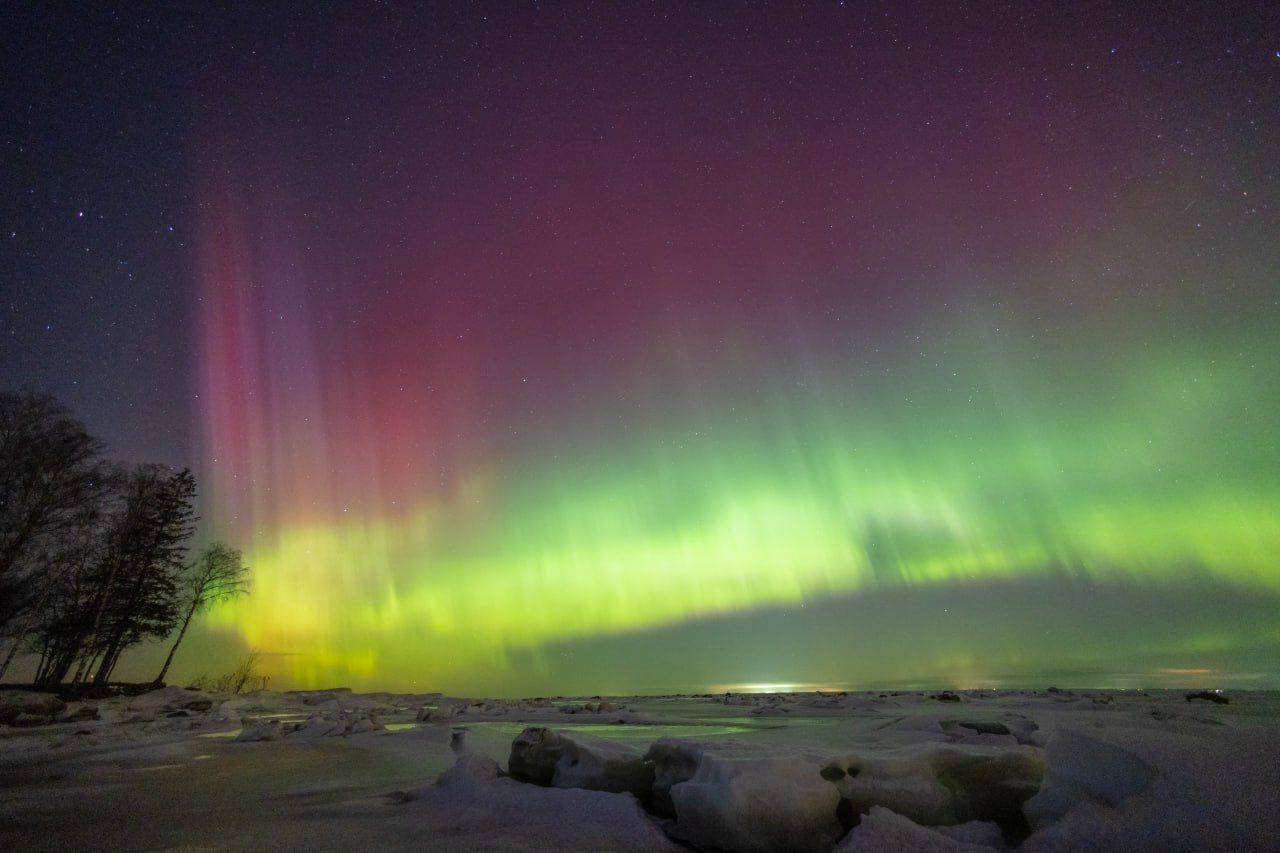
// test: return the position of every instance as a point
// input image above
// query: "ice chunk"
(757, 804)
(563, 760)
(1081, 768)
(602, 765)
(935, 784)
(471, 768)
(882, 829)
(259, 701)
(321, 725)
(168, 699)
(978, 832)
(503, 814)
(329, 724)
(443, 710)
(361, 723)
(267, 730)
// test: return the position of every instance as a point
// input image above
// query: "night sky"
(552, 348)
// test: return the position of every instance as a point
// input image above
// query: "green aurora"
(983, 457)
(669, 376)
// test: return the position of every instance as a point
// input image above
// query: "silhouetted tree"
(246, 672)
(93, 556)
(69, 632)
(52, 478)
(62, 622)
(219, 573)
(146, 554)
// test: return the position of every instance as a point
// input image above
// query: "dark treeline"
(93, 553)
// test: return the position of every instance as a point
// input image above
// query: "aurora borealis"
(554, 348)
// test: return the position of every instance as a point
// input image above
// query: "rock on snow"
(546, 757)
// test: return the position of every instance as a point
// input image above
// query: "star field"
(552, 347)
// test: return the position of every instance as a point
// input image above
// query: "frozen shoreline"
(328, 769)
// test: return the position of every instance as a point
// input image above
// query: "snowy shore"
(965, 771)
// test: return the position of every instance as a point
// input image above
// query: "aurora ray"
(489, 392)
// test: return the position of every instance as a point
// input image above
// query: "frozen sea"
(333, 770)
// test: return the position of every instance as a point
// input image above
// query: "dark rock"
(166, 699)
(832, 773)
(80, 715)
(847, 815)
(945, 696)
(45, 705)
(534, 755)
(673, 761)
(30, 720)
(984, 728)
(1209, 696)
(571, 760)
(30, 704)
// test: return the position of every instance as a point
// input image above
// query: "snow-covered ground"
(1048, 770)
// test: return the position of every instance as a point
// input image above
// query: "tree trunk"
(110, 658)
(116, 644)
(108, 663)
(82, 667)
(85, 668)
(29, 621)
(101, 607)
(17, 643)
(44, 661)
(181, 633)
(55, 669)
